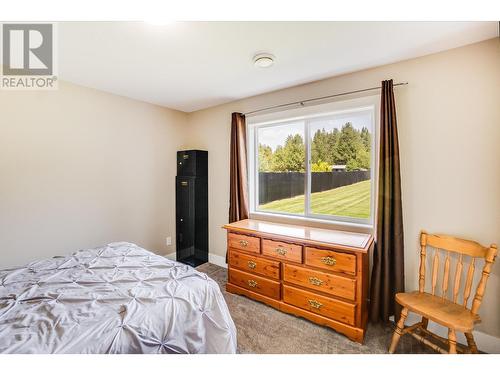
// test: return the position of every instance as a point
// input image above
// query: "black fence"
(274, 185)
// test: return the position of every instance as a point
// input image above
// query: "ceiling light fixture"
(158, 21)
(263, 60)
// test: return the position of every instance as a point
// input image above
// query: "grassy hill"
(351, 200)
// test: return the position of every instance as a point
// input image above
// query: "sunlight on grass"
(350, 201)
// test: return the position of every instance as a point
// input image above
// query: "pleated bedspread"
(118, 298)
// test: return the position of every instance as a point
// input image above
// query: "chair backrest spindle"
(489, 259)
(423, 245)
(458, 276)
(435, 269)
(446, 274)
(468, 281)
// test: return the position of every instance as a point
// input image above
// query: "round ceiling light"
(263, 60)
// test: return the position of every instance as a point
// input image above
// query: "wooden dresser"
(321, 275)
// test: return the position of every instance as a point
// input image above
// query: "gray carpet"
(262, 329)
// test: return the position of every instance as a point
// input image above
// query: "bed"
(118, 298)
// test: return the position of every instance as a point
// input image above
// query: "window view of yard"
(350, 200)
(339, 159)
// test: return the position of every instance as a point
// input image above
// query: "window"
(316, 162)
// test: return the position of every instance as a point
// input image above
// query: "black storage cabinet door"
(185, 220)
(192, 207)
(192, 163)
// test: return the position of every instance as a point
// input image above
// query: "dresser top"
(319, 236)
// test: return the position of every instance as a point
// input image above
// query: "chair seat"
(439, 310)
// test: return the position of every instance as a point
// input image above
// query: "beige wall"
(80, 167)
(449, 127)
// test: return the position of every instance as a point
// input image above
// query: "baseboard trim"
(171, 256)
(212, 258)
(217, 260)
(485, 343)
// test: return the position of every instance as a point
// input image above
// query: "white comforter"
(118, 298)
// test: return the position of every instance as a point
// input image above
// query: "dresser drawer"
(282, 250)
(255, 283)
(255, 265)
(327, 283)
(329, 307)
(331, 260)
(242, 242)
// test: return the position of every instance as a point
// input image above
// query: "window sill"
(307, 221)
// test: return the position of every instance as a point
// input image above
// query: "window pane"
(281, 164)
(340, 165)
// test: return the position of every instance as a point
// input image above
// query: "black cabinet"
(192, 163)
(192, 207)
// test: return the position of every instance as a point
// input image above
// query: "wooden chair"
(449, 313)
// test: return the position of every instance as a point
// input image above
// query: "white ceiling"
(194, 65)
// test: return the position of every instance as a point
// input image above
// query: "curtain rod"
(302, 102)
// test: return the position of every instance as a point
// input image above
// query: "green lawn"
(351, 200)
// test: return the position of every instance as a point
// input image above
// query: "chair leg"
(471, 343)
(452, 339)
(425, 322)
(399, 330)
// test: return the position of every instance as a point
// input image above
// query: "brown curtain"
(238, 195)
(388, 257)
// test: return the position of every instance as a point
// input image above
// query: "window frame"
(308, 114)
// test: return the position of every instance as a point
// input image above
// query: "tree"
(360, 162)
(333, 140)
(323, 146)
(291, 156)
(265, 158)
(366, 138)
(317, 146)
(363, 158)
(348, 144)
(321, 166)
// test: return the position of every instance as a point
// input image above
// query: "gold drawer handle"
(329, 261)
(243, 243)
(281, 251)
(252, 283)
(315, 281)
(315, 304)
(251, 264)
